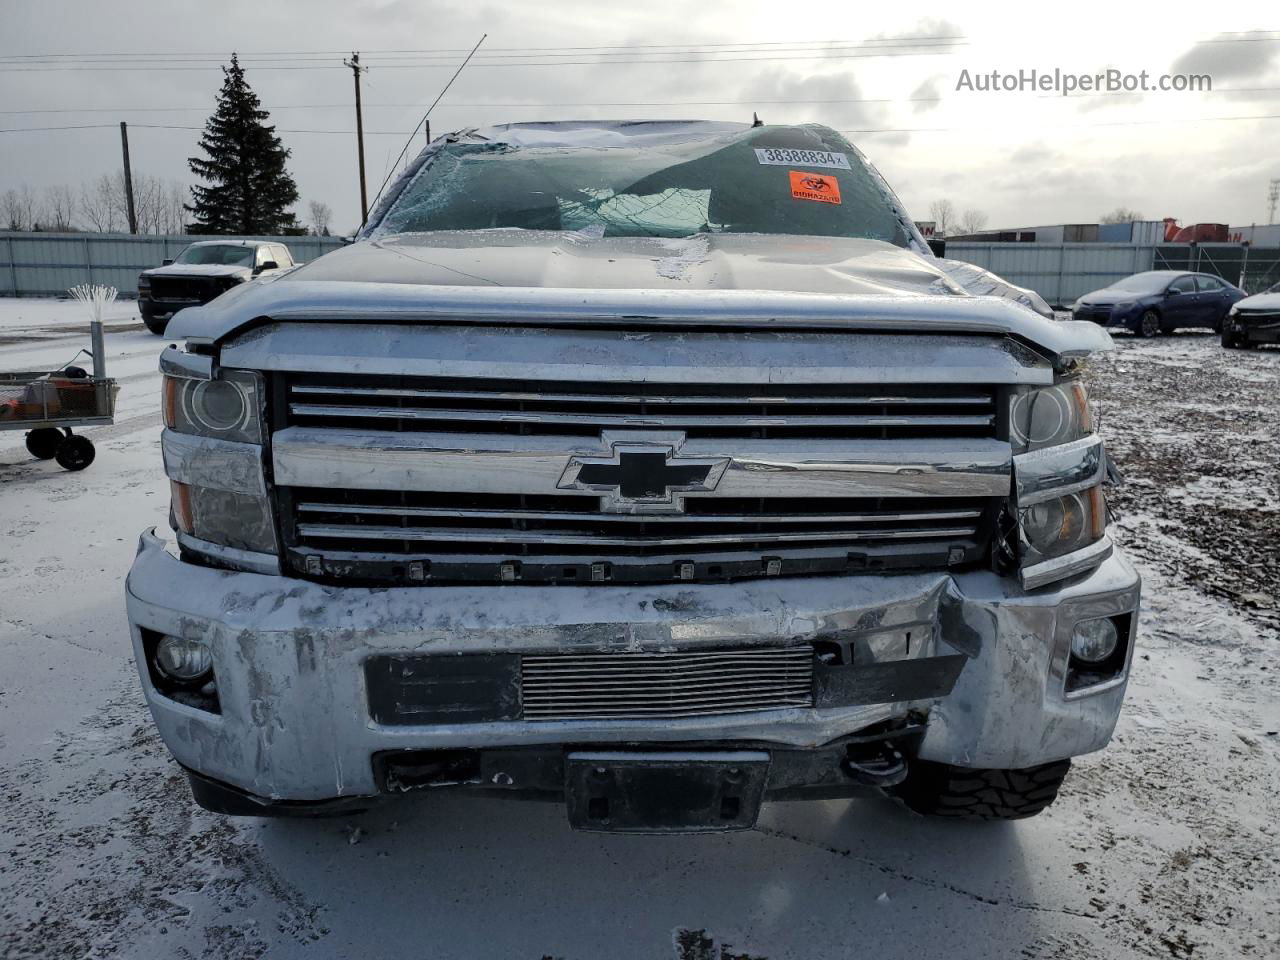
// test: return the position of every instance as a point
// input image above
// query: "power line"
(144, 58)
(149, 68)
(869, 130)
(414, 132)
(495, 104)
(494, 51)
(606, 53)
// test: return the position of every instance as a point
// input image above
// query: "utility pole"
(128, 178)
(1273, 195)
(354, 64)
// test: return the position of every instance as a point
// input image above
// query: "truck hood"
(538, 258)
(199, 270)
(1260, 301)
(519, 277)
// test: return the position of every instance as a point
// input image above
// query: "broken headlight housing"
(235, 520)
(1061, 525)
(1059, 466)
(220, 509)
(1049, 416)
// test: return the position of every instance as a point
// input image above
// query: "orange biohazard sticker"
(814, 186)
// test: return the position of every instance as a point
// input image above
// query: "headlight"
(227, 408)
(1062, 525)
(1125, 305)
(1045, 418)
(218, 516)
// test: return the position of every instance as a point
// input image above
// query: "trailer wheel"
(43, 443)
(75, 453)
(938, 789)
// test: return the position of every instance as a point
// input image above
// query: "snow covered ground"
(1164, 845)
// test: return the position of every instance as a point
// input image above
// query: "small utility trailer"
(49, 404)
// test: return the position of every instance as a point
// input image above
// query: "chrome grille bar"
(593, 515)
(453, 534)
(673, 421)
(591, 399)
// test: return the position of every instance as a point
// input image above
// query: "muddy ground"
(1164, 845)
(1196, 432)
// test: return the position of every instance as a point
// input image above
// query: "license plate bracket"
(665, 791)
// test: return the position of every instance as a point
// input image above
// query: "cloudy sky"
(888, 73)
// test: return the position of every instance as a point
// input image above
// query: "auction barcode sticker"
(788, 157)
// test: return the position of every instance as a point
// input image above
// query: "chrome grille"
(569, 539)
(406, 449)
(584, 409)
(620, 686)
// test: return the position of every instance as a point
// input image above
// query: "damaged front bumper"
(974, 666)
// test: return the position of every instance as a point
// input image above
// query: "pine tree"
(249, 189)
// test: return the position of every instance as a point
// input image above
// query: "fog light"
(1094, 640)
(183, 660)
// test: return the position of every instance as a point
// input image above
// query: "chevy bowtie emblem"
(644, 473)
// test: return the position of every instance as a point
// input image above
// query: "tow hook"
(877, 764)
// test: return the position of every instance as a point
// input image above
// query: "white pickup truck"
(657, 469)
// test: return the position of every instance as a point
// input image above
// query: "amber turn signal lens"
(181, 507)
(169, 401)
(1097, 511)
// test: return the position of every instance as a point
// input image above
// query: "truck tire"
(937, 789)
(1232, 341)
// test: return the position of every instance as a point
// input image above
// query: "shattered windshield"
(781, 180)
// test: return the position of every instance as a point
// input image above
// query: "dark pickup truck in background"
(201, 272)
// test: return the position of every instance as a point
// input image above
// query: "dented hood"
(537, 258)
(517, 277)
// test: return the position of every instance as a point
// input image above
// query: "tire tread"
(937, 789)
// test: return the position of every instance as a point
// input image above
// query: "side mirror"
(266, 265)
(1172, 293)
(166, 261)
